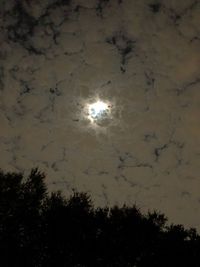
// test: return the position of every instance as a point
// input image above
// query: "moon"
(98, 110)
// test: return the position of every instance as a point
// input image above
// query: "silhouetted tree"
(42, 229)
(20, 217)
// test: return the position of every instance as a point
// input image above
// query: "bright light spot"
(98, 110)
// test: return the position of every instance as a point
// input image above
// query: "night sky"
(141, 58)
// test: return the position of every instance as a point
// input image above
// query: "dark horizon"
(41, 229)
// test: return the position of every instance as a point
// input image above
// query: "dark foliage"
(40, 229)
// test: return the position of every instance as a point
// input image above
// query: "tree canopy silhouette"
(38, 228)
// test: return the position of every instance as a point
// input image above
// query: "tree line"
(42, 229)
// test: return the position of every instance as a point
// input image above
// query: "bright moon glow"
(98, 110)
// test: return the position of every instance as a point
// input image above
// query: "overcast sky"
(140, 57)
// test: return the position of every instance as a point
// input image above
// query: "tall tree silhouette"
(20, 217)
(41, 229)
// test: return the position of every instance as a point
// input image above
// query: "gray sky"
(140, 57)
